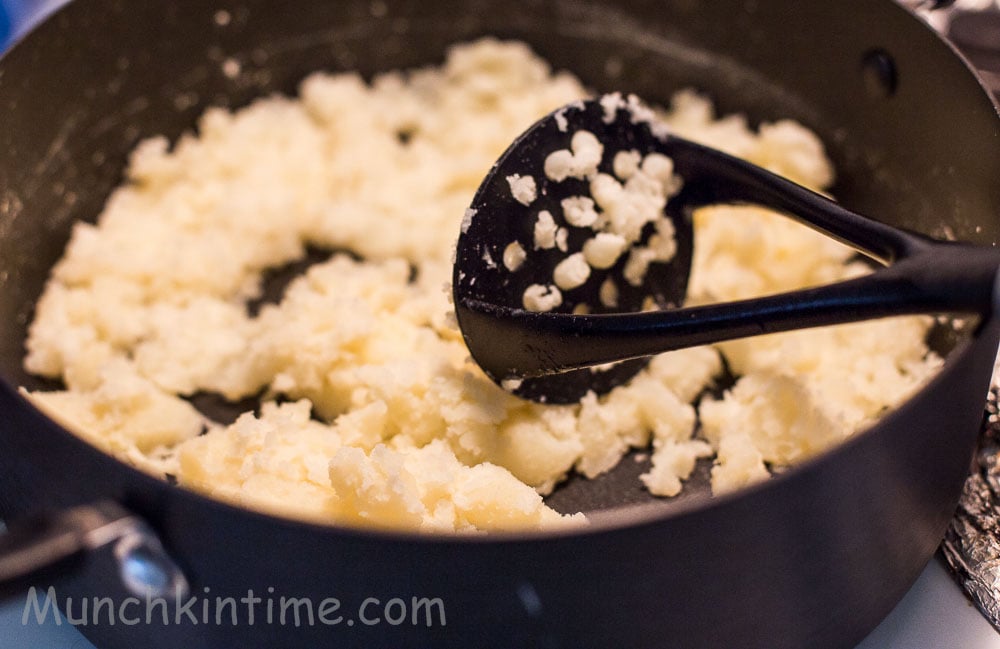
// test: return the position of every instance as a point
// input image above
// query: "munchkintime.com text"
(252, 608)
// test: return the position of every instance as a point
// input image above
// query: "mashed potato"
(372, 411)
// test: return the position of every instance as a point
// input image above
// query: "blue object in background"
(18, 16)
(5, 28)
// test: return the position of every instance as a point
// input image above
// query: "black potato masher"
(557, 355)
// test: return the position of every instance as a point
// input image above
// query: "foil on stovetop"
(972, 543)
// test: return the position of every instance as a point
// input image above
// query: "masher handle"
(712, 177)
(943, 278)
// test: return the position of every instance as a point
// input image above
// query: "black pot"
(813, 558)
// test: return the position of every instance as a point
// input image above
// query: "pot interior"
(873, 89)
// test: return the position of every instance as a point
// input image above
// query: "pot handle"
(50, 544)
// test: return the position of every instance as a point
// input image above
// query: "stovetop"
(974, 27)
